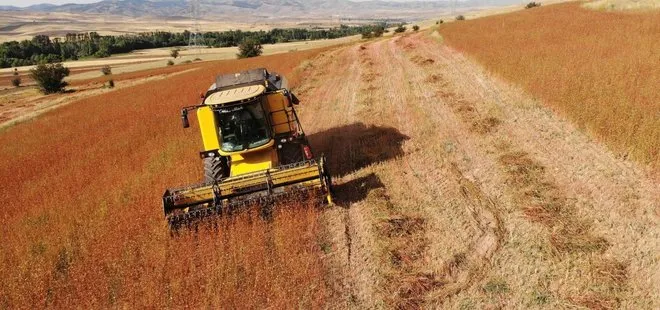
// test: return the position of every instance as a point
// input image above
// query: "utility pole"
(195, 39)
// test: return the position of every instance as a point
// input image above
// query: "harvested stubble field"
(454, 190)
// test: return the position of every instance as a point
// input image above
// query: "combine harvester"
(255, 151)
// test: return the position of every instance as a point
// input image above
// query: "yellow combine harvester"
(255, 151)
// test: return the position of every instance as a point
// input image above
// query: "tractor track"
(422, 142)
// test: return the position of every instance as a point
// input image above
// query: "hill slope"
(600, 69)
(252, 9)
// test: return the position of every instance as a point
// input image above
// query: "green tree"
(249, 48)
(416, 28)
(378, 31)
(174, 53)
(400, 29)
(50, 77)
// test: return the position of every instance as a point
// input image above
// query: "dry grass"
(82, 223)
(623, 5)
(544, 203)
(599, 69)
(29, 24)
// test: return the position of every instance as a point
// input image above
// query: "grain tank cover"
(235, 94)
(261, 76)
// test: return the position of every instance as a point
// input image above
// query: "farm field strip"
(459, 144)
(599, 69)
(27, 103)
(513, 120)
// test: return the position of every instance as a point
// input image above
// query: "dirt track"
(455, 189)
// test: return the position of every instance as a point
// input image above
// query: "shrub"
(197, 59)
(415, 28)
(367, 35)
(111, 83)
(460, 17)
(170, 63)
(532, 5)
(249, 48)
(400, 29)
(16, 81)
(174, 53)
(50, 77)
(106, 70)
(379, 32)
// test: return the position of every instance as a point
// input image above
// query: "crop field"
(454, 190)
(599, 69)
(82, 223)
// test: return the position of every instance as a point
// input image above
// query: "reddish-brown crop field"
(139, 74)
(81, 221)
(600, 69)
(454, 189)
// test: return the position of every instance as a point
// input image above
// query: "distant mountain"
(9, 8)
(255, 9)
(41, 7)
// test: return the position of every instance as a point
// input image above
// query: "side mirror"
(294, 99)
(184, 118)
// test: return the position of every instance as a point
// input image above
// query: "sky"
(20, 3)
(23, 3)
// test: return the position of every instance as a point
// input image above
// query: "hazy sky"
(31, 2)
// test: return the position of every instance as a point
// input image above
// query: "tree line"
(43, 49)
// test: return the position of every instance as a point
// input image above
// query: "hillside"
(255, 9)
(599, 69)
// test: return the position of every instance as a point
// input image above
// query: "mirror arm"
(184, 114)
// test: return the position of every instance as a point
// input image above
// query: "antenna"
(195, 39)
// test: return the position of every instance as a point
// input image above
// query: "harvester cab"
(254, 150)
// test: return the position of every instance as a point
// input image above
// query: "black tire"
(215, 169)
(327, 177)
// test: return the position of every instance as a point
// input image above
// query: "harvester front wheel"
(215, 169)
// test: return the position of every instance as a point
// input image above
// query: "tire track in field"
(410, 211)
(330, 95)
(466, 267)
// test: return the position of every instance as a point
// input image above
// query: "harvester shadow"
(356, 190)
(352, 147)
